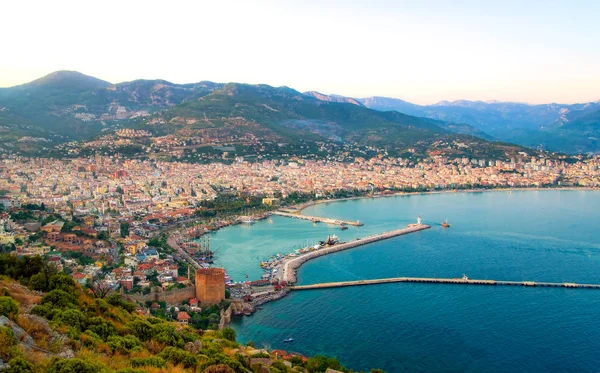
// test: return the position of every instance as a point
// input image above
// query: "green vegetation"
(107, 335)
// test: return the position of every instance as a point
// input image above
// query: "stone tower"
(210, 285)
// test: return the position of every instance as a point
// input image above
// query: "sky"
(420, 51)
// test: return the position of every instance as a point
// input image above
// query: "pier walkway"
(287, 269)
(455, 281)
(316, 219)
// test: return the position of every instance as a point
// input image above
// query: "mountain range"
(571, 128)
(66, 106)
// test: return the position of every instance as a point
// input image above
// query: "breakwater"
(317, 219)
(455, 281)
(287, 269)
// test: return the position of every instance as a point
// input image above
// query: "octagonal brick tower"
(210, 285)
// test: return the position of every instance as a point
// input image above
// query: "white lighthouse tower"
(419, 220)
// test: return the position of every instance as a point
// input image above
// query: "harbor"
(283, 269)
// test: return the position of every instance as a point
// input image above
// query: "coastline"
(302, 206)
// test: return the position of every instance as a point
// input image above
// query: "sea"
(542, 235)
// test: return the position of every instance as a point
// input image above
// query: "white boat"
(246, 219)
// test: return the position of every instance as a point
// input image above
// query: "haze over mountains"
(571, 128)
(66, 105)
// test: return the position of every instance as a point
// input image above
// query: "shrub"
(321, 363)
(261, 355)
(228, 334)
(7, 341)
(101, 327)
(166, 334)
(220, 368)
(124, 345)
(19, 365)
(62, 281)
(74, 318)
(141, 329)
(179, 356)
(156, 362)
(8, 307)
(72, 366)
(280, 366)
(60, 299)
(218, 359)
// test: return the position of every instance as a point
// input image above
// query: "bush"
(165, 333)
(220, 368)
(321, 363)
(9, 307)
(72, 366)
(141, 329)
(19, 365)
(179, 356)
(156, 362)
(280, 366)
(7, 341)
(60, 299)
(74, 318)
(219, 359)
(117, 301)
(261, 355)
(101, 327)
(124, 345)
(228, 334)
(61, 281)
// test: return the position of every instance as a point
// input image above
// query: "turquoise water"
(533, 235)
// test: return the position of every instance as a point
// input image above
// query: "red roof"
(194, 301)
(183, 316)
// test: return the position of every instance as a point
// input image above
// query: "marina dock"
(316, 219)
(454, 281)
(287, 269)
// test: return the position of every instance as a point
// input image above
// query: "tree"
(124, 229)
(60, 299)
(228, 334)
(98, 286)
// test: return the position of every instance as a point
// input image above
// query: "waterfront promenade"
(455, 281)
(317, 219)
(287, 269)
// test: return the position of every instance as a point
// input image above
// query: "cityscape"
(188, 225)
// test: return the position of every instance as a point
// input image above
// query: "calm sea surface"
(532, 235)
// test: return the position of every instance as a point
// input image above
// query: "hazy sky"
(421, 51)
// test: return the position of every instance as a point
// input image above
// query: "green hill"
(242, 111)
(48, 323)
(67, 105)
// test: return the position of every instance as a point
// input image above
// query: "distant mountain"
(388, 104)
(239, 112)
(68, 105)
(332, 98)
(529, 125)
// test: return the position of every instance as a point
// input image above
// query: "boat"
(343, 227)
(246, 219)
(289, 340)
(445, 224)
(332, 240)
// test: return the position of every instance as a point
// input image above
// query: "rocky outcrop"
(20, 334)
(194, 347)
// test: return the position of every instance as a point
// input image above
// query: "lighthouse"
(419, 220)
